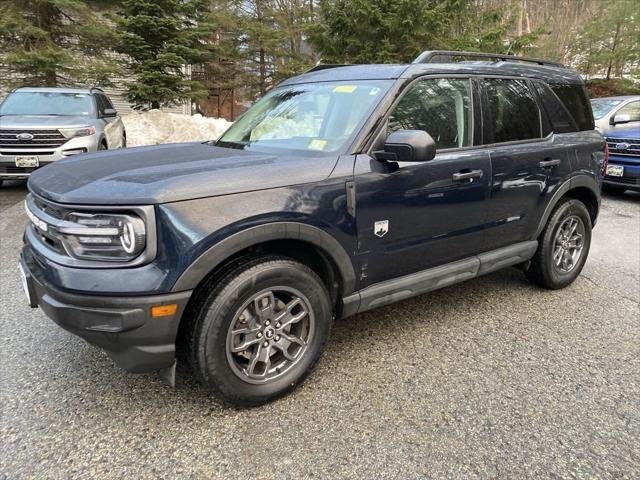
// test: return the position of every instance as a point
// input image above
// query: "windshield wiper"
(236, 145)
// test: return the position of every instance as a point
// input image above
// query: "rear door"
(413, 216)
(526, 162)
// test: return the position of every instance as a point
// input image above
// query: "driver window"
(439, 106)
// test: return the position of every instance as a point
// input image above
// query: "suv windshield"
(601, 106)
(317, 117)
(47, 103)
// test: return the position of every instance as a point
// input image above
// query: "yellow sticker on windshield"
(317, 144)
(345, 89)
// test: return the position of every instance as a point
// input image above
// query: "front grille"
(624, 146)
(41, 139)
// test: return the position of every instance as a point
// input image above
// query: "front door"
(413, 216)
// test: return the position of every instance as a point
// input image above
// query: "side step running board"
(408, 286)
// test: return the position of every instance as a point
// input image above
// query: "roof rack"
(325, 66)
(431, 56)
(96, 88)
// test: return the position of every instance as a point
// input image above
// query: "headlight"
(77, 132)
(110, 237)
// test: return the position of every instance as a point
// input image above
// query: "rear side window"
(561, 119)
(439, 106)
(107, 102)
(513, 110)
(575, 99)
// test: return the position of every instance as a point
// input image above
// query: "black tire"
(612, 189)
(222, 305)
(102, 146)
(543, 270)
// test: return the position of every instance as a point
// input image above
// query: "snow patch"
(155, 127)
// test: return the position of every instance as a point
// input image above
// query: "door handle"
(549, 163)
(467, 175)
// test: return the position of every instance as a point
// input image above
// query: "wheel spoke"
(287, 318)
(293, 339)
(557, 256)
(245, 344)
(265, 306)
(260, 355)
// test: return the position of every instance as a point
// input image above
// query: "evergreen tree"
(163, 39)
(55, 42)
(379, 31)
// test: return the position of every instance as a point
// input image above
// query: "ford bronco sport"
(343, 189)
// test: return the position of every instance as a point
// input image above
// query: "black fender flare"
(218, 253)
(582, 180)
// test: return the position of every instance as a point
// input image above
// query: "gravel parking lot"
(489, 378)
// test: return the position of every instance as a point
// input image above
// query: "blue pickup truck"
(618, 119)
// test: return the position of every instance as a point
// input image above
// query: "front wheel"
(563, 246)
(259, 332)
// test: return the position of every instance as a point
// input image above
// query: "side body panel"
(431, 219)
(521, 187)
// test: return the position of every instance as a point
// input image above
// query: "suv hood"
(44, 121)
(170, 173)
(631, 131)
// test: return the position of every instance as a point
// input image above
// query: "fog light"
(75, 151)
(164, 310)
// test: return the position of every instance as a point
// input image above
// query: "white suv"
(41, 125)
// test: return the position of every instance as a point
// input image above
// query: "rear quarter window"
(574, 98)
(561, 120)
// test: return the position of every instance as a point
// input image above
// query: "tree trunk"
(263, 72)
(45, 13)
(613, 49)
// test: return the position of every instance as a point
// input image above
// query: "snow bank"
(155, 127)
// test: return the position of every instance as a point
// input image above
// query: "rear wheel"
(563, 246)
(259, 332)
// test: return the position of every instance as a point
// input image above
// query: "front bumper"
(122, 326)
(631, 177)
(73, 146)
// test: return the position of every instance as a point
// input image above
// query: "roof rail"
(96, 88)
(325, 66)
(431, 56)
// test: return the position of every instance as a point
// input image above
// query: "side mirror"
(408, 146)
(620, 118)
(109, 112)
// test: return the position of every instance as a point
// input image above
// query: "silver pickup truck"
(41, 125)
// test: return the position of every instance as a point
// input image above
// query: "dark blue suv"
(343, 189)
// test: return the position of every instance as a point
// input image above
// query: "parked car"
(612, 113)
(618, 118)
(342, 190)
(41, 125)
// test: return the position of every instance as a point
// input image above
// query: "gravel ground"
(490, 378)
